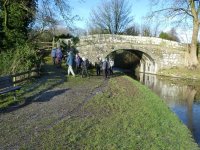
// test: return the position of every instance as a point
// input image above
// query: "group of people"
(105, 65)
(81, 64)
(57, 56)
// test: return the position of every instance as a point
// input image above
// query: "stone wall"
(107, 38)
(162, 53)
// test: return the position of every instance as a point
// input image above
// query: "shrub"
(22, 59)
(5, 62)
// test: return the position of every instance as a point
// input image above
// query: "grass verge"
(183, 72)
(127, 115)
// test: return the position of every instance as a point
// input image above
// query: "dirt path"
(49, 100)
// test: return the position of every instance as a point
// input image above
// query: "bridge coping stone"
(161, 53)
(131, 39)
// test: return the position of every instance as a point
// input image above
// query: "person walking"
(59, 57)
(53, 55)
(78, 61)
(105, 68)
(70, 61)
(84, 66)
(98, 65)
(111, 62)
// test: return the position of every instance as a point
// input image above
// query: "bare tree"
(132, 30)
(112, 16)
(150, 27)
(180, 11)
(50, 14)
(155, 29)
(174, 35)
(146, 30)
(60, 9)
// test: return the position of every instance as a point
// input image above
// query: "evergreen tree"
(171, 35)
(1, 27)
(16, 17)
(164, 35)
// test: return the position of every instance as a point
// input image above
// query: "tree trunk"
(193, 62)
(5, 13)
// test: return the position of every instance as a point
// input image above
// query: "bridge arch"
(157, 53)
(147, 64)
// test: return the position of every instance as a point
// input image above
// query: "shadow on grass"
(39, 90)
(46, 96)
(92, 72)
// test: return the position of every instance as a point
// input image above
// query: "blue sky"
(140, 8)
(83, 9)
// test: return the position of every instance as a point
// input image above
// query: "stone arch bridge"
(156, 53)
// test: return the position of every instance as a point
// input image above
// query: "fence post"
(53, 43)
(14, 80)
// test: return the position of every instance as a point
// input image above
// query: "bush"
(5, 62)
(22, 59)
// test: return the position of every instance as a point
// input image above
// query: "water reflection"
(179, 97)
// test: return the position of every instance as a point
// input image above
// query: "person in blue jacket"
(70, 62)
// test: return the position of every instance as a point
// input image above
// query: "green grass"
(126, 116)
(7, 100)
(47, 70)
(181, 73)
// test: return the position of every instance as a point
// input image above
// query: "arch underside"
(147, 63)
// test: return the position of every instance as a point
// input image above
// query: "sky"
(140, 8)
(84, 7)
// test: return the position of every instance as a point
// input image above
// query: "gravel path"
(51, 99)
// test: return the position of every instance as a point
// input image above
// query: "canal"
(182, 97)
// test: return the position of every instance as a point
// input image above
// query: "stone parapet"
(158, 53)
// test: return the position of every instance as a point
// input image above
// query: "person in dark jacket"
(84, 66)
(70, 61)
(53, 55)
(78, 61)
(98, 65)
(105, 68)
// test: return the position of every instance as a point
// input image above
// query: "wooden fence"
(19, 77)
(45, 45)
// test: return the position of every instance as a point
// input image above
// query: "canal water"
(182, 97)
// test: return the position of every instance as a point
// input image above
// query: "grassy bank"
(127, 115)
(181, 73)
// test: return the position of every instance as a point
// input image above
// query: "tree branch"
(5, 13)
